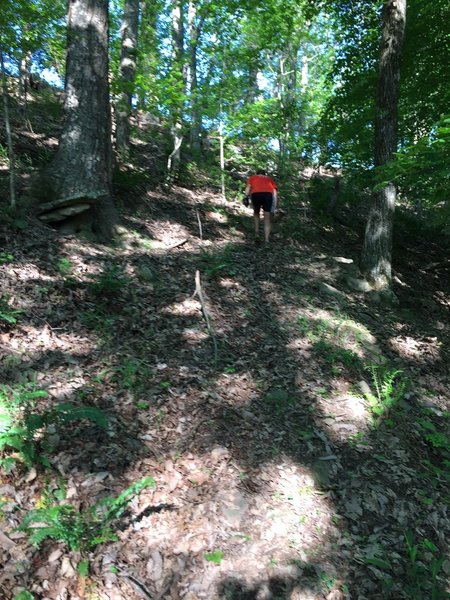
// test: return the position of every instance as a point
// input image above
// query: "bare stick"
(198, 292)
(199, 224)
(135, 583)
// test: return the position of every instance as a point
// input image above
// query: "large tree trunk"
(129, 30)
(377, 248)
(79, 179)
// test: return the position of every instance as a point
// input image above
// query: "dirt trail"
(274, 478)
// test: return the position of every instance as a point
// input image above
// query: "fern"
(19, 422)
(80, 530)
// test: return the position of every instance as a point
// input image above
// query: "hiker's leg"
(256, 220)
(267, 225)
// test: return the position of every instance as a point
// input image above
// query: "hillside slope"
(241, 392)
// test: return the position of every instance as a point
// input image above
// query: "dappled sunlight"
(289, 521)
(188, 307)
(420, 351)
(216, 216)
(272, 471)
(194, 336)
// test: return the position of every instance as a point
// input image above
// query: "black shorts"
(264, 200)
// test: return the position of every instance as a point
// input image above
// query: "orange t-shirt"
(261, 183)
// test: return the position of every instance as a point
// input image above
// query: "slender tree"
(12, 185)
(377, 248)
(127, 74)
(195, 26)
(180, 76)
(79, 179)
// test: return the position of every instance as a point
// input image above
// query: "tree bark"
(81, 171)
(12, 185)
(377, 247)
(194, 33)
(128, 52)
(174, 160)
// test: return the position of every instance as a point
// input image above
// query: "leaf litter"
(273, 479)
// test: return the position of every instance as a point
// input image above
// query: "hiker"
(262, 191)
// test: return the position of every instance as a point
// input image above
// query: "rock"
(218, 453)
(342, 260)
(321, 473)
(331, 291)
(234, 507)
(358, 285)
(63, 213)
(385, 297)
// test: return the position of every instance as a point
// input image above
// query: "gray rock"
(384, 297)
(331, 291)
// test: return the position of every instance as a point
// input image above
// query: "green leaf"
(214, 557)
(83, 568)
(378, 562)
(24, 595)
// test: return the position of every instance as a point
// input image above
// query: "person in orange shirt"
(262, 191)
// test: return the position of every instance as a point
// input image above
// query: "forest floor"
(244, 395)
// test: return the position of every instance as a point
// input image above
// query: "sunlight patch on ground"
(194, 336)
(289, 523)
(188, 307)
(218, 217)
(231, 283)
(420, 351)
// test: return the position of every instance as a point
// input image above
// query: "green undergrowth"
(79, 528)
(219, 263)
(23, 425)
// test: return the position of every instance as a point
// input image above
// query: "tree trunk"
(287, 98)
(12, 185)
(377, 248)
(79, 179)
(129, 34)
(194, 33)
(148, 47)
(173, 162)
(222, 153)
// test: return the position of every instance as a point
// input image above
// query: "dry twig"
(198, 292)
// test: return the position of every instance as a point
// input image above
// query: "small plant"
(133, 374)
(109, 282)
(305, 435)
(5, 256)
(327, 582)
(219, 263)
(64, 266)
(7, 314)
(19, 423)
(357, 439)
(333, 355)
(24, 595)
(214, 557)
(390, 388)
(83, 529)
(423, 581)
